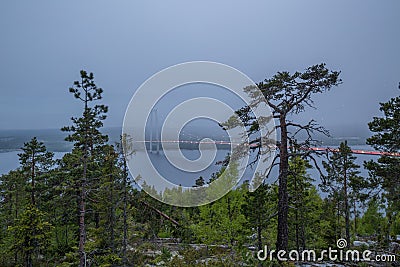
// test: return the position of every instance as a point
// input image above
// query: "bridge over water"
(255, 145)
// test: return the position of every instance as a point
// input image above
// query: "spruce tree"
(13, 199)
(385, 173)
(341, 181)
(35, 161)
(299, 186)
(259, 207)
(31, 232)
(30, 228)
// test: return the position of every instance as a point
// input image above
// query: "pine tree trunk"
(28, 260)
(346, 203)
(282, 238)
(33, 179)
(56, 228)
(66, 235)
(125, 239)
(82, 211)
(303, 236)
(355, 217)
(112, 209)
(259, 241)
(338, 227)
(296, 212)
(82, 203)
(297, 230)
(259, 226)
(16, 216)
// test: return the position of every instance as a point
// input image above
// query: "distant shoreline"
(13, 140)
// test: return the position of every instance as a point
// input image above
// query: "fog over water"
(54, 140)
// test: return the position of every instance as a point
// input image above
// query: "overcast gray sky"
(44, 44)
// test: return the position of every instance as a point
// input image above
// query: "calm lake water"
(9, 161)
(11, 140)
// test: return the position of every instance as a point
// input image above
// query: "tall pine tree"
(88, 142)
(288, 95)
